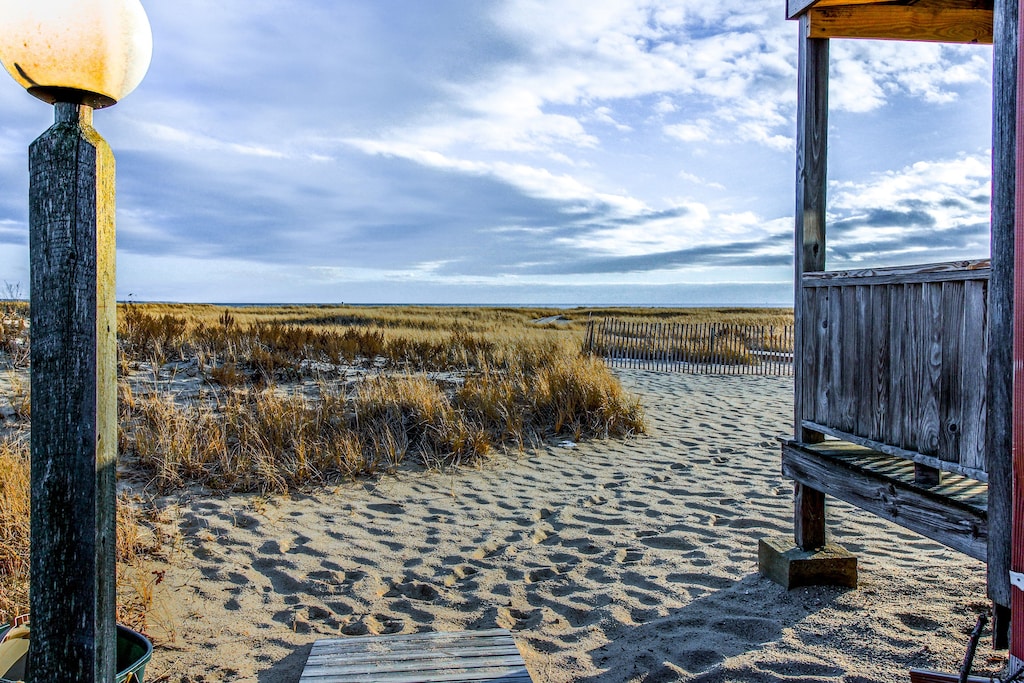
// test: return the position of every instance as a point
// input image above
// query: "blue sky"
(513, 151)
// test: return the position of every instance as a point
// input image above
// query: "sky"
(571, 152)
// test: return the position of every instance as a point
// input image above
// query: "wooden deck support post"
(74, 412)
(813, 560)
(811, 179)
(998, 442)
(1017, 427)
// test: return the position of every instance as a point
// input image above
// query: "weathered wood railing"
(708, 348)
(895, 359)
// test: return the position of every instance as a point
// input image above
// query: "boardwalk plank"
(466, 657)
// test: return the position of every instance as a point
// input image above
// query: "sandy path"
(612, 561)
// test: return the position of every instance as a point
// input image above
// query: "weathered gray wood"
(951, 271)
(74, 415)
(794, 8)
(888, 449)
(954, 523)
(809, 234)
(951, 390)
(897, 387)
(864, 384)
(927, 476)
(974, 378)
(881, 370)
(809, 530)
(899, 364)
(490, 655)
(819, 356)
(999, 416)
(967, 491)
(833, 377)
(930, 370)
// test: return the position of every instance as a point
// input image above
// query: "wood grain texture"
(998, 432)
(895, 451)
(902, 22)
(954, 523)
(902, 365)
(489, 655)
(1017, 428)
(951, 271)
(74, 416)
(809, 237)
(795, 8)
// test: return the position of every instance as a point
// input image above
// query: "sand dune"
(610, 561)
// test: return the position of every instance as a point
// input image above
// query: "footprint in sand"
(668, 543)
(486, 550)
(414, 590)
(380, 625)
(542, 574)
(514, 619)
(369, 588)
(356, 628)
(460, 573)
(628, 556)
(542, 533)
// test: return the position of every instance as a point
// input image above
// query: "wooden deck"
(954, 512)
(466, 656)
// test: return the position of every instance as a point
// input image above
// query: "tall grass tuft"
(14, 528)
(260, 439)
(135, 543)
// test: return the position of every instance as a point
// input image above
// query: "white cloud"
(690, 132)
(866, 73)
(928, 211)
(183, 138)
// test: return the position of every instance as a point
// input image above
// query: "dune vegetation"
(275, 398)
(270, 399)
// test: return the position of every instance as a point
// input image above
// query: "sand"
(618, 560)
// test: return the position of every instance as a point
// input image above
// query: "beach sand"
(618, 560)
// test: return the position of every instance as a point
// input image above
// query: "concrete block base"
(784, 563)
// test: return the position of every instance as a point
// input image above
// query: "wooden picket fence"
(707, 348)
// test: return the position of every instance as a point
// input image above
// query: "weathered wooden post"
(74, 394)
(52, 48)
(810, 559)
(999, 420)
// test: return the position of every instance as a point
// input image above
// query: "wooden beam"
(902, 453)
(999, 394)
(948, 521)
(794, 8)
(900, 22)
(1017, 426)
(809, 235)
(953, 271)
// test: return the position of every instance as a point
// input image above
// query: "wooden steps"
(465, 656)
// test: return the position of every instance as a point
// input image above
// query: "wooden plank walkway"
(464, 656)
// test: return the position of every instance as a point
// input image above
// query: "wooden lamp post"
(78, 55)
